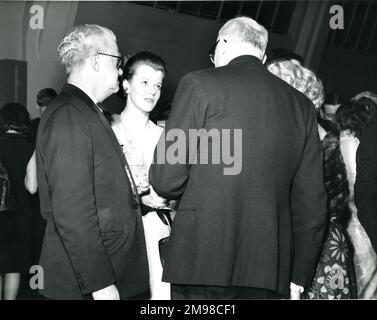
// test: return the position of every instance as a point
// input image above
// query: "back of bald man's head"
(246, 30)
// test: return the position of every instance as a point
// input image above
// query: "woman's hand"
(153, 200)
(142, 183)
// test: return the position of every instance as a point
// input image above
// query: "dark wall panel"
(348, 71)
(13, 81)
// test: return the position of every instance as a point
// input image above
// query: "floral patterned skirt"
(334, 276)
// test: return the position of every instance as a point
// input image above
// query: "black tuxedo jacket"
(262, 227)
(94, 235)
(366, 182)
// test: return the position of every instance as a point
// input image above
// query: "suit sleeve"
(366, 184)
(69, 161)
(308, 203)
(168, 174)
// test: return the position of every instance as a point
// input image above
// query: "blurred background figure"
(44, 97)
(366, 94)
(331, 104)
(18, 157)
(353, 116)
(334, 277)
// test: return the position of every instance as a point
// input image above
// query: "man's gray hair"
(80, 43)
(245, 29)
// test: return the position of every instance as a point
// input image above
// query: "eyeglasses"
(213, 50)
(119, 61)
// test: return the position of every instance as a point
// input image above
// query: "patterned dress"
(334, 276)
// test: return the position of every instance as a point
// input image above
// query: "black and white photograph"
(200, 151)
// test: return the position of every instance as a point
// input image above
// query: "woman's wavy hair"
(301, 78)
(355, 115)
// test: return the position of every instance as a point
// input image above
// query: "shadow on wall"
(182, 41)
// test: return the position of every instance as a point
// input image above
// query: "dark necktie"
(106, 113)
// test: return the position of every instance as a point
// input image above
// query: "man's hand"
(153, 200)
(295, 295)
(108, 293)
(296, 291)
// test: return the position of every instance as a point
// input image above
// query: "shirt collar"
(86, 92)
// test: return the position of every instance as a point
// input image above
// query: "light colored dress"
(139, 150)
(365, 258)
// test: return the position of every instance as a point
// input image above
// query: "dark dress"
(15, 226)
(334, 276)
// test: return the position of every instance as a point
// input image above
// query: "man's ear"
(94, 62)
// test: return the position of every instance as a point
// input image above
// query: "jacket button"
(136, 205)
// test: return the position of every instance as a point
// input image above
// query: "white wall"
(36, 46)
(44, 69)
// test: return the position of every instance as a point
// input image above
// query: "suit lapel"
(76, 93)
(117, 147)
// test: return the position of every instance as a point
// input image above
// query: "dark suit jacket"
(366, 182)
(260, 228)
(94, 235)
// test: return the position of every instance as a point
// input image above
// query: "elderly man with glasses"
(94, 245)
(255, 233)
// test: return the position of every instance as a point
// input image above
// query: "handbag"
(164, 215)
(164, 242)
(163, 249)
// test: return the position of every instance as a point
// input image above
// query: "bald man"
(251, 228)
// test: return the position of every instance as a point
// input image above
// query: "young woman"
(143, 75)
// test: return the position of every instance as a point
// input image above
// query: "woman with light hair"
(301, 78)
(334, 276)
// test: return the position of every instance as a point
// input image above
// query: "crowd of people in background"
(346, 263)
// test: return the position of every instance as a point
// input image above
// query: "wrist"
(296, 288)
